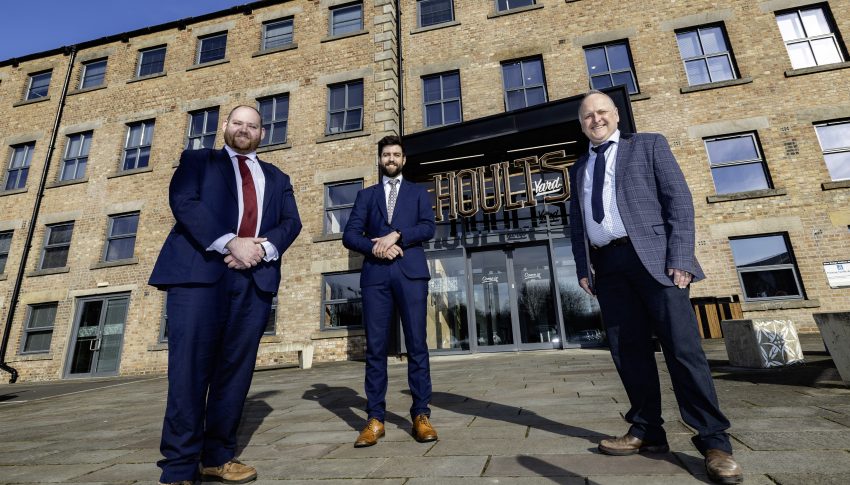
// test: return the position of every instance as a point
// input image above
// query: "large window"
(346, 19)
(38, 331)
(766, 267)
(19, 166)
(339, 200)
(38, 85)
(441, 98)
(834, 140)
(810, 36)
(737, 164)
(275, 113)
(212, 48)
(151, 61)
(270, 323)
(611, 65)
(341, 300)
(5, 246)
(524, 83)
(94, 74)
(57, 245)
(121, 237)
(706, 54)
(137, 147)
(76, 156)
(345, 107)
(433, 12)
(277, 33)
(502, 5)
(202, 129)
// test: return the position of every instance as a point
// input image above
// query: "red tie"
(248, 226)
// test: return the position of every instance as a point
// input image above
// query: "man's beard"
(384, 171)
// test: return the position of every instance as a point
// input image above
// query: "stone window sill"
(638, 97)
(45, 272)
(4, 277)
(208, 64)
(13, 192)
(63, 183)
(514, 10)
(760, 306)
(124, 173)
(327, 237)
(158, 347)
(29, 357)
(838, 184)
(145, 78)
(283, 48)
(338, 333)
(112, 264)
(342, 136)
(31, 101)
(720, 84)
(332, 38)
(271, 148)
(429, 28)
(752, 194)
(816, 69)
(87, 90)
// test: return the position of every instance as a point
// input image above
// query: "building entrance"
(98, 337)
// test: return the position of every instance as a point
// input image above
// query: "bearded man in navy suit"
(632, 222)
(388, 224)
(235, 216)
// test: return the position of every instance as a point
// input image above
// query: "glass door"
(98, 336)
(536, 315)
(491, 294)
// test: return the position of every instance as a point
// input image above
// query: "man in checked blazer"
(388, 224)
(632, 223)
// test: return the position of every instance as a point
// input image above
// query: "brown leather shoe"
(234, 471)
(722, 467)
(629, 445)
(369, 436)
(423, 432)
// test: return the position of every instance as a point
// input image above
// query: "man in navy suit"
(632, 221)
(388, 224)
(235, 216)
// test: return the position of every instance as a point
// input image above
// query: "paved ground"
(511, 418)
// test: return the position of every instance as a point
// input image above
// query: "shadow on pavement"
(255, 412)
(344, 402)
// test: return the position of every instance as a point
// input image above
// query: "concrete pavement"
(509, 418)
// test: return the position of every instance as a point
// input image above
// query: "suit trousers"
(213, 335)
(408, 297)
(635, 306)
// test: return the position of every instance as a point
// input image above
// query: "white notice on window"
(837, 273)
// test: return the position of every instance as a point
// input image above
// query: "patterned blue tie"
(599, 182)
(393, 195)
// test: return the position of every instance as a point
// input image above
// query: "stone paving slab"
(583, 465)
(451, 466)
(810, 479)
(46, 473)
(795, 440)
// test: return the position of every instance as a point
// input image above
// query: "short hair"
(387, 141)
(255, 110)
(591, 93)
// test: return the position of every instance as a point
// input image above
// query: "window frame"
(32, 77)
(28, 330)
(728, 53)
(49, 246)
(271, 322)
(525, 87)
(147, 126)
(269, 124)
(610, 73)
(20, 180)
(834, 34)
(420, 24)
(200, 51)
(141, 60)
(265, 37)
(348, 108)
(801, 294)
(334, 10)
(77, 158)
(442, 101)
(844, 149)
(761, 159)
(508, 6)
(111, 237)
(5, 236)
(84, 73)
(163, 320)
(339, 301)
(331, 208)
(190, 136)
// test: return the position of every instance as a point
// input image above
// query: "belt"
(613, 243)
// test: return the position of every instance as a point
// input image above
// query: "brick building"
(754, 98)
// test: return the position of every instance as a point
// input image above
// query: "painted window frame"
(442, 101)
(21, 170)
(760, 159)
(331, 208)
(29, 330)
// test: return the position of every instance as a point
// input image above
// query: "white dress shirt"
(611, 226)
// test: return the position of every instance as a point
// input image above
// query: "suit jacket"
(413, 216)
(655, 205)
(204, 200)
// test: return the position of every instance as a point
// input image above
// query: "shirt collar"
(385, 180)
(614, 138)
(251, 156)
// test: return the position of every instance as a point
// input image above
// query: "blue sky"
(31, 26)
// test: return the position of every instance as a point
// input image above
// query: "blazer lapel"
(624, 155)
(580, 167)
(382, 200)
(270, 184)
(226, 166)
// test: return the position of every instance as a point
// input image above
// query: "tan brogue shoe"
(722, 467)
(369, 436)
(234, 471)
(423, 432)
(629, 445)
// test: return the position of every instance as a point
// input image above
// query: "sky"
(31, 26)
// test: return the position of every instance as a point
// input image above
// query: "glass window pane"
(278, 133)
(346, 19)
(55, 257)
(84, 150)
(533, 71)
(432, 12)
(624, 78)
(343, 194)
(801, 55)
(74, 144)
(120, 249)
(130, 158)
(596, 61)
(344, 286)
(125, 225)
(760, 251)
(689, 44)
(516, 100)
(431, 89)
(720, 69)
(770, 283)
(535, 96)
(826, 51)
(38, 341)
(212, 121)
(148, 133)
(344, 314)
(353, 119)
(451, 86)
(734, 149)
(278, 34)
(335, 122)
(697, 72)
(355, 94)
(512, 74)
(335, 220)
(433, 115)
(60, 234)
(618, 56)
(94, 74)
(266, 107)
(152, 61)
(212, 48)
(814, 22)
(790, 26)
(451, 112)
(134, 138)
(712, 40)
(337, 98)
(834, 136)
(739, 178)
(281, 110)
(838, 165)
(600, 82)
(197, 126)
(42, 316)
(5, 242)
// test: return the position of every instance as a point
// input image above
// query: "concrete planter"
(762, 343)
(835, 331)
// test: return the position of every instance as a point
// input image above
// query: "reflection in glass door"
(447, 320)
(535, 302)
(492, 298)
(582, 319)
(96, 347)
